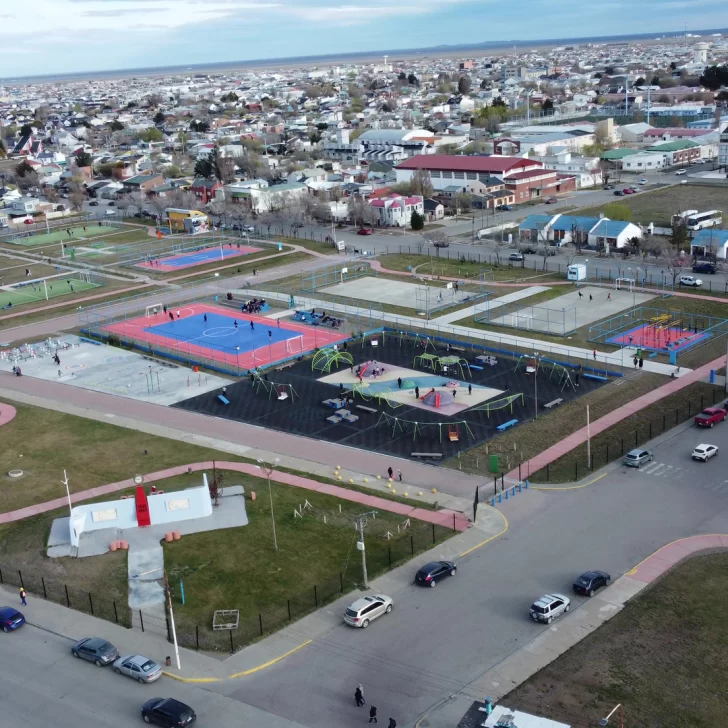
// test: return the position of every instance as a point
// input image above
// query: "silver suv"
(549, 606)
(364, 610)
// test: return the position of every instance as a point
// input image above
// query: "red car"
(628, 191)
(364, 231)
(28, 222)
(709, 416)
(552, 201)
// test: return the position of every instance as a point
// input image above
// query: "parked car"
(690, 281)
(515, 257)
(364, 231)
(10, 619)
(551, 200)
(141, 668)
(549, 606)
(609, 187)
(702, 266)
(93, 203)
(710, 416)
(96, 650)
(28, 221)
(628, 191)
(643, 181)
(168, 712)
(637, 457)
(364, 610)
(441, 244)
(704, 452)
(505, 208)
(590, 581)
(431, 573)
(248, 228)
(680, 172)
(618, 193)
(111, 203)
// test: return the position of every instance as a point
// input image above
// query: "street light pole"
(360, 521)
(268, 468)
(68, 494)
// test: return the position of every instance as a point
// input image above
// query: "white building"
(585, 170)
(723, 148)
(259, 196)
(396, 210)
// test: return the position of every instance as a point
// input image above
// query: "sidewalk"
(197, 667)
(552, 642)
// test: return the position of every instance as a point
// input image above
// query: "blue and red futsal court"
(205, 334)
(198, 257)
(658, 338)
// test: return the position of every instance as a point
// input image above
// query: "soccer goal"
(153, 310)
(624, 284)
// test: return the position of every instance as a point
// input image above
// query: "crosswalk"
(687, 475)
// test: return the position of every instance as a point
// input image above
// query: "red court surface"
(204, 334)
(192, 258)
(655, 338)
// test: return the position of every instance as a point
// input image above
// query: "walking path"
(447, 518)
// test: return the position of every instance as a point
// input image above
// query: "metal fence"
(519, 315)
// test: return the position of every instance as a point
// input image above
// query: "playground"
(219, 337)
(323, 396)
(197, 257)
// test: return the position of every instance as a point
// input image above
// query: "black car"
(590, 581)
(431, 573)
(96, 650)
(167, 712)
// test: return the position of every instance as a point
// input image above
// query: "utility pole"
(68, 492)
(360, 523)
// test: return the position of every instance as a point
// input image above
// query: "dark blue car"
(10, 619)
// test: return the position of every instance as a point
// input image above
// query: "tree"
(547, 106)
(417, 221)
(679, 235)
(172, 170)
(159, 117)
(412, 80)
(464, 85)
(3, 151)
(76, 196)
(51, 194)
(421, 183)
(199, 126)
(23, 169)
(462, 202)
(151, 135)
(116, 125)
(617, 211)
(26, 130)
(640, 81)
(722, 96)
(203, 167)
(230, 98)
(499, 102)
(715, 77)
(360, 211)
(83, 159)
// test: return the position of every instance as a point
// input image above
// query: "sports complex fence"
(517, 315)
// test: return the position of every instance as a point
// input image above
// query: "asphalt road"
(437, 641)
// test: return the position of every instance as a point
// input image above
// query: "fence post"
(689, 410)
(1, 577)
(548, 472)
(68, 599)
(21, 579)
(607, 454)
(42, 581)
(91, 604)
(635, 437)
(341, 582)
(315, 595)
(433, 533)
(650, 430)
(412, 544)
(701, 403)
(141, 618)
(389, 555)
(232, 648)
(288, 601)
(260, 622)
(116, 614)
(576, 471)
(676, 414)
(663, 423)
(622, 451)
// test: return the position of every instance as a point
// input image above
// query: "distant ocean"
(213, 68)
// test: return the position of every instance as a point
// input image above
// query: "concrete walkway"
(482, 307)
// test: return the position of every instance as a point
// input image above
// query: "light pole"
(360, 523)
(268, 469)
(169, 606)
(68, 495)
(605, 721)
(535, 385)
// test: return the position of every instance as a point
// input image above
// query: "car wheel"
(567, 607)
(6, 630)
(452, 572)
(711, 424)
(140, 680)
(365, 624)
(433, 583)
(98, 663)
(388, 609)
(147, 719)
(607, 582)
(591, 592)
(74, 653)
(117, 671)
(549, 620)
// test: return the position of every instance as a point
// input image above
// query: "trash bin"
(168, 661)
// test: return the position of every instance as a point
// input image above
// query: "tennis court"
(42, 290)
(60, 235)
(199, 331)
(197, 257)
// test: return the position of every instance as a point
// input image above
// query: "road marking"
(652, 466)
(252, 670)
(488, 540)
(658, 470)
(566, 487)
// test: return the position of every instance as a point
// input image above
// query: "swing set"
(420, 429)
(278, 390)
(499, 404)
(564, 376)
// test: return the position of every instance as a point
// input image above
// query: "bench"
(364, 408)
(337, 403)
(89, 341)
(223, 399)
(506, 425)
(433, 455)
(475, 366)
(334, 419)
(595, 376)
(553, 403)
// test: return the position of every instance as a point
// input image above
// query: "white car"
(643, 180)
(704, 452)
(680, 172)
(364, 610)
(548, 607)
(690, 281)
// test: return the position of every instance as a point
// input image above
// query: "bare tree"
(76, 199)
(421, 183)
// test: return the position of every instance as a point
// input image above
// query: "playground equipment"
(499, 404)
(420, 429)
(274, 389)
(324, 359)
(529, 361)
(364, 391)
(426, 361)
(564, 376)
(432, 399)
(436, 363)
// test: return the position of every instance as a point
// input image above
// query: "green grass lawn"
(60, 235)
(663, 658)
(53, 288)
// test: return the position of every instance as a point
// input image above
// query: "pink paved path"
(7, 413)
(446, 518)
(664, 559)
(579, 437)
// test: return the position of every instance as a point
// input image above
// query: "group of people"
(254, 306)
(17, 372)
(360, 702)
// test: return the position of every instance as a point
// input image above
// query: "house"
(23, 145)
(434, 210)
(634, 133)
(613, 234)
(677, 152)
(538, 183)
(397, 210)
(709, 243)
(260, 197)
(142, 182)
(565, 229)
(205, 190)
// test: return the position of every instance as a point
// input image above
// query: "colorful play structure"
(499, 404)
(367, 394)
(325, 358)
(432, 399)
(420, 429)
(278, 390)
(442, 364)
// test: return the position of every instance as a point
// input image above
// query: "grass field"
(662, 657)
(60, 235)
(659, 206)
(39, 292)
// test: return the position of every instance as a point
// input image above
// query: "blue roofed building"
(613, 233)
(564, 229)
(709, 243)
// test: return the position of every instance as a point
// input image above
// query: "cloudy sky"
(63, 36)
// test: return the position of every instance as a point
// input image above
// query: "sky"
(67, 36)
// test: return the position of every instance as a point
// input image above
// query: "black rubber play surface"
(307, 415)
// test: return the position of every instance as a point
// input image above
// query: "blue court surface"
(201, 256)
(219, 332)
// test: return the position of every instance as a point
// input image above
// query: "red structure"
(142, 507)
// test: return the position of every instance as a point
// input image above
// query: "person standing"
(635, 362)
(642, 362)
(594, 354)
(399, 382)
(417, 392)
(373, 714)
(359, 696)
(252, 326)
(392, 723)
(23, 594)
(390, 472)
(470, 388)
(204, 318)
(399, 475)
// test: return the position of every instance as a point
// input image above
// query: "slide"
(432, 399)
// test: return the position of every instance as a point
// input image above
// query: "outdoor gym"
(219, 337)
(404, 394)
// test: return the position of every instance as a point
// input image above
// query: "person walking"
(470, 388)
(359, 696)
(634, 361)
(399, 475)
(252, 326)
(642, 362)
(594, 354)
(235, 324)
(417, 392)
(392, 723)
(204, 318)
(373, 714)
(581, 295)
(399, 382)
(590, 297)
(609, 296)
(390, 472)
(23, 594)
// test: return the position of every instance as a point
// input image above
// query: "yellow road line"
(566, 487)
(488, 540)
(252, 670)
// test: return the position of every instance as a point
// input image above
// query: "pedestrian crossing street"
(692, 474)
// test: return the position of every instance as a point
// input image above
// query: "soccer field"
(79, 233)
(32, 293)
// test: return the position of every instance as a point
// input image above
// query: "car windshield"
(149, 665)
(351, 612)
(633, 455)
(539, 610)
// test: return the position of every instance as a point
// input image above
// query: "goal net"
(153, 310)
(624, 284)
